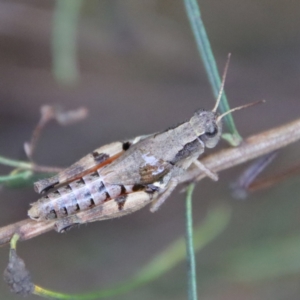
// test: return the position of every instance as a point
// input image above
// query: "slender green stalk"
(13, 241)
(205, 51)
(65, 64)
(15, 163)
(21, 176)
(192, 278)
(24, 174)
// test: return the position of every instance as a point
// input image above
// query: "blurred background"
(138, 72)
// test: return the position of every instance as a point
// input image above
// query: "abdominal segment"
(79, 195)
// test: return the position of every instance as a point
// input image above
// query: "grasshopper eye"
(212, 133)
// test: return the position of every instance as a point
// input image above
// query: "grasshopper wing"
(92, 161)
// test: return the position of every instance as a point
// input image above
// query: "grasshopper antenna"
(222, 84)
(239, 107)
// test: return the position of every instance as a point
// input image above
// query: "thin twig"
(28, 165)
(241, 185)
(251, 148)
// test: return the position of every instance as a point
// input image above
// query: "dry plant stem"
(252, 147)
(46, 169)
(46, 116)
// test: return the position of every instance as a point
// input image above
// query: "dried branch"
(251, 148)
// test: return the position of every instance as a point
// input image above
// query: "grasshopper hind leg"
(66, 224)
(116, 207)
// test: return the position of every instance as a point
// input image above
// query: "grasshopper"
(122, 177)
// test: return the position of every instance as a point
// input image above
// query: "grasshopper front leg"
(165, 187)
(171, 181)
(162, 197)
(209, 173)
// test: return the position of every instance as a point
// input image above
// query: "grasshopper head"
(207, 126)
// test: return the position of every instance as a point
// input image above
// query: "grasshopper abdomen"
(79, 195)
